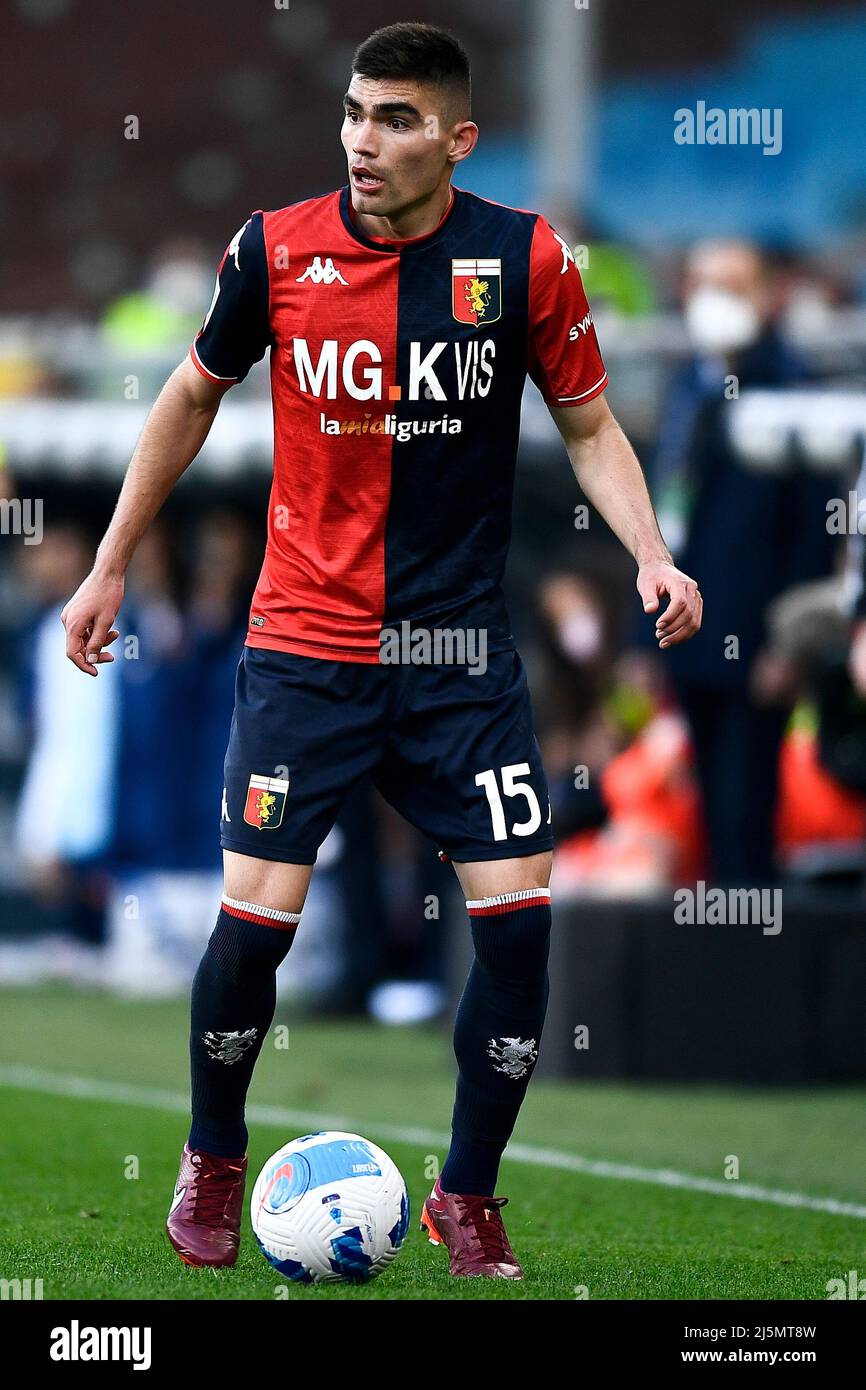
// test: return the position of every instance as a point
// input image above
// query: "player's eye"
(397, 123)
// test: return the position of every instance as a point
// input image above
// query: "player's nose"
(364, 139)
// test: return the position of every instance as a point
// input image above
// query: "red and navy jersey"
(397, 370)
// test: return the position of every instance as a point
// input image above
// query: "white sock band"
(525, 895)
(252, 912)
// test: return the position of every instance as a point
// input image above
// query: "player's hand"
(857, 658)
(89, 621)
(682, 617)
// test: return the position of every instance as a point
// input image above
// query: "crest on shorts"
(266, 800)
(476, 290)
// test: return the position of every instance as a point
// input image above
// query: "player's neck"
(419, 220)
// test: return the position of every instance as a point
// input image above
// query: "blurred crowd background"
(729, 292)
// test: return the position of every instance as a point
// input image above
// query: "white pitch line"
(153, 1098)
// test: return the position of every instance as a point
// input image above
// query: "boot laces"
(483, 1215)
(213, 1189)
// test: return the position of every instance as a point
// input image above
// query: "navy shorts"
(453, 751)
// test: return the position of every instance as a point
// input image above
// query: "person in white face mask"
(722, 317)
(750, 535)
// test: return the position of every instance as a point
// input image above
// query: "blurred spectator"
(181, 635)
(63, 817)
(810, 291)
(614, 276)
(821, 823)
(856, 567)
(166, 313)
(618, 759)
(746, 536)
(578, 736)
(652, 838)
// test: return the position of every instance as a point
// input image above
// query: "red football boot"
(204, 1220)
(472, 1231)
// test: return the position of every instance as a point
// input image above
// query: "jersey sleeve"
(565, 361)
(236, 330)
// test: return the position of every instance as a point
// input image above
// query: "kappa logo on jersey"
(476, 291)
(234, 246)
(266, 801)
(234, 250)
(322, 274)
(567, 253)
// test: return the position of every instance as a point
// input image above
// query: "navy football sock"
(233, 1001)
(496, 1033)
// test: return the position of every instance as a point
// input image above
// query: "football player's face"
(398, 142)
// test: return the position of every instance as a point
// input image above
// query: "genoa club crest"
(266, 800)
(476, 291)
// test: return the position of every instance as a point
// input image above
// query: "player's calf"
(233, 1002)
(497, 1031)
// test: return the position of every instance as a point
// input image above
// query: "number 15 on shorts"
(506, 783)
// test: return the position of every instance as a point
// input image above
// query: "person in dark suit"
(856, 568)
(748, 535)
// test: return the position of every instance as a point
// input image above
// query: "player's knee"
(511, 933)
(249, 941)
(268, 882)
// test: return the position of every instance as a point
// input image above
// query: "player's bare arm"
(608, 471)
(173, 434)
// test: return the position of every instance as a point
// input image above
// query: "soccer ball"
(328, 1207)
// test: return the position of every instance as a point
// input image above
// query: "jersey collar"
(381, 243)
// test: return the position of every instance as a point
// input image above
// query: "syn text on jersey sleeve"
(564, 357)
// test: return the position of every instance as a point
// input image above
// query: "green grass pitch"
(85, 1182)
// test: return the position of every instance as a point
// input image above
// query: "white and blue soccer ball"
(329, 1207)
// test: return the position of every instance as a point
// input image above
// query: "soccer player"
(402, 316)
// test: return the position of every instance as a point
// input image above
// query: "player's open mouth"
(362, 178)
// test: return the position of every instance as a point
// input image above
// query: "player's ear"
(464, 138)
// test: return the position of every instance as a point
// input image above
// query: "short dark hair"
(420, 53)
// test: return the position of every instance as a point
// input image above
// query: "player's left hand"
(682, 617)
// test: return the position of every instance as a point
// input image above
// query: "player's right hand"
(857, 658)
(89, 617)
